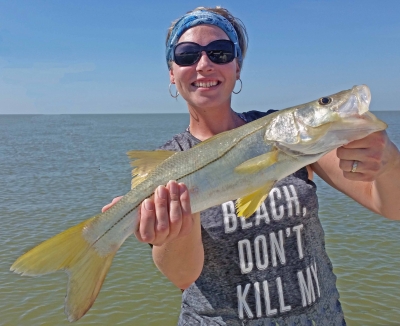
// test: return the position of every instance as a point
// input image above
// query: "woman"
(215, 258)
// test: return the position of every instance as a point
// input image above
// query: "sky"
(90, 57)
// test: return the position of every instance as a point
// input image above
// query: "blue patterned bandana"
(200, 17)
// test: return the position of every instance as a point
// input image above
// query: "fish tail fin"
(85, 266)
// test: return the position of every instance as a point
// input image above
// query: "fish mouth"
(356, 110)
(358, 102)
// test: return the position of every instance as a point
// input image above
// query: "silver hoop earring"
(169, 88)
(241, 84)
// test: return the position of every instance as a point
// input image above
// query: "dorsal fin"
(145, 161)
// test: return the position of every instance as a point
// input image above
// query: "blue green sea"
(57, 170)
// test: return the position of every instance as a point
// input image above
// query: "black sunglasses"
(219, 51)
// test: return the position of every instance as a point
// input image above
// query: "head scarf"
(196, 18)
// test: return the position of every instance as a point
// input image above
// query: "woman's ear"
(171, 77)
(237, 71)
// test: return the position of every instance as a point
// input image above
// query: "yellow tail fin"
(69, 251)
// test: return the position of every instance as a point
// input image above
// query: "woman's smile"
(206, 84)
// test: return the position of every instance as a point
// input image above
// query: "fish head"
(327, 123)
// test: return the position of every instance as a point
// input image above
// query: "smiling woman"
(270, 272)
(205, 84)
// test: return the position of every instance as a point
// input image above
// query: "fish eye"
(325, 100)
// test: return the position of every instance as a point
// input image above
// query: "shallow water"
(56, 171)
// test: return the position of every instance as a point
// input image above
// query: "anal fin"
(247, 205)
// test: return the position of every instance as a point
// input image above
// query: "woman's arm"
(167, 223)
(376, 182)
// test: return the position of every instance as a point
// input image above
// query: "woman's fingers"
(166, 216)
(175, 210)
(363, 159)
(147, 218)
(161, 226)
(187, 220)
(114, 201)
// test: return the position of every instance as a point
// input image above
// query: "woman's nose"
(204, 63)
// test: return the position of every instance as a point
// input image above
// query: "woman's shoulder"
(254, 115)
(180, 142)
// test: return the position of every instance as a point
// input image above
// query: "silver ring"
(354, 166)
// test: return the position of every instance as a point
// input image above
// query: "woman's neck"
(207, 123)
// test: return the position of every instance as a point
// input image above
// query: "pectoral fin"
(247, 205)
(258, 163)
(144, 162)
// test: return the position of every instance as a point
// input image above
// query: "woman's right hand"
(166, 215)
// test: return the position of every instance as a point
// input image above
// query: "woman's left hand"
(371, 155)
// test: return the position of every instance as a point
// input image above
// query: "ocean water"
(57, 170)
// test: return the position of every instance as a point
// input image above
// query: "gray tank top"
(269, 269)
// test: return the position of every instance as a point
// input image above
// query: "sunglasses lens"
(188, 53)
(221, 51)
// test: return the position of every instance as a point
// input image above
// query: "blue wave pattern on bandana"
(201, 17)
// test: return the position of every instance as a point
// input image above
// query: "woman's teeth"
(205, 84)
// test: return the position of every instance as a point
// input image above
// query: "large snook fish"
(242, 163)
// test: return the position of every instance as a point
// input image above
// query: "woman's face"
(205, 84)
